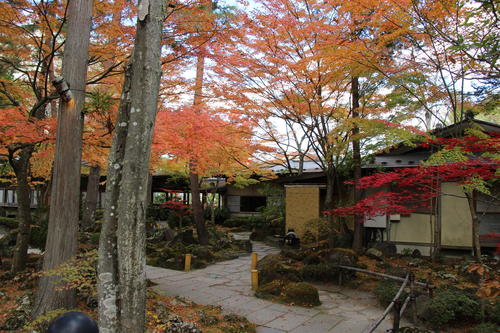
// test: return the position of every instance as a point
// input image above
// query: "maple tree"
(432, 55)
(471, 161)
(31, 40)
(290, 62)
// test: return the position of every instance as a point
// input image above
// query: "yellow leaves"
(490, 285)
(478, 268)
(489, 289)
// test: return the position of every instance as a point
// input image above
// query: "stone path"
(227, 284)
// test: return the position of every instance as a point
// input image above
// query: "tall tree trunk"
(194, 184)
(123, 291)
(62, 232)
(476, 245)
(329, 204)
(107, 267)
(357, 243)
(436, 213)
(92, 198)
(20, 165)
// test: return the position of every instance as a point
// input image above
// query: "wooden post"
(255, 279)
(397, 307)
(254, 260)
(413, 298)
(187, 262)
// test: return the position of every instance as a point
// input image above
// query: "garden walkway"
(227, 284)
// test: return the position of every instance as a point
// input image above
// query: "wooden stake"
(255, 279)
(254, 260)
(187, 262)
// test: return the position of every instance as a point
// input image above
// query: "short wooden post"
(187, 262)
(255, 279)
(254, 260)
(397, 308)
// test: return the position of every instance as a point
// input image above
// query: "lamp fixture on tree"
(62, 88)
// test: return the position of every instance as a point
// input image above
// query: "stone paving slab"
(227, 284)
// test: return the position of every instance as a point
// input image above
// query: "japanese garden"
(262, 166)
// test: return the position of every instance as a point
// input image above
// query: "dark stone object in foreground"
(73, 322)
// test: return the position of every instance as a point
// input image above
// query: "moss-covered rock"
(324, 273)
(301, 293)
(341, 256)
(276, 267)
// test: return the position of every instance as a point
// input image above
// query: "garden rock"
(387, 249)
(416, 254)
(341, 256)
(341, 240)
(176, 325)
(374, 254)
(301, 293)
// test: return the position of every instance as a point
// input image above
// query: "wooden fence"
(396, 305)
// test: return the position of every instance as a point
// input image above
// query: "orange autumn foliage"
(214, 143)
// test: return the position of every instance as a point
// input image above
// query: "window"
(11, 196)
(2, 196)
(159, 197)
(252, 204)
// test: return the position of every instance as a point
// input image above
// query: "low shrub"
(452, 306)
(485, 328)
(492, 311)
(386, 290)
(301, 293)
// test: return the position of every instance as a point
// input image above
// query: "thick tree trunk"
(62, 232)
(20, 165)
(476, 245)
(107, 268)
(128, 306)
(357, 243)
(92, 198)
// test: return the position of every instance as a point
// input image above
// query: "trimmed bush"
(386, 290)
(451, 306)
(301, 293)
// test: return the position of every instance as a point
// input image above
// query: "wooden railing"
(396, 305)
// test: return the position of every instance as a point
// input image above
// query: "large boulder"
(276, 267)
